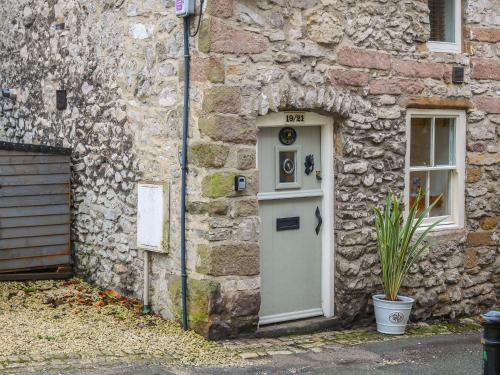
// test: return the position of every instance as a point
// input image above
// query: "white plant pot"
(392, 316)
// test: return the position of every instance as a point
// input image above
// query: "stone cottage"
(320, 106)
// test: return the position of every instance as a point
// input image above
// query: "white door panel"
(290, 202)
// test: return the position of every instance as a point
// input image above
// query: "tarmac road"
(455, 354)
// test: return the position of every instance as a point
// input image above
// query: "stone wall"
(362, 63)
(118, 62)
(84, 59)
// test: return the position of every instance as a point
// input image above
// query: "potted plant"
(398, 250)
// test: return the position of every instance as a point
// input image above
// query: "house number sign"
(295, 117)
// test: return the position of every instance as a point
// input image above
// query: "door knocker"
(288, 166)
(309, 164)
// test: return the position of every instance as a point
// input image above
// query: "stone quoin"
(363, 64)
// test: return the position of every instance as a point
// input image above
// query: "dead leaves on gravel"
(70, 293)
(76, 292)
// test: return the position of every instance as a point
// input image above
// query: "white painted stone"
(132, 10)
(168, 97)
(86, 88)
(141, 31)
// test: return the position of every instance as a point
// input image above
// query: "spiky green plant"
(396, 248)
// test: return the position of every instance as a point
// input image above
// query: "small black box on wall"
(458, 74)
(61, 100)
(240, 183)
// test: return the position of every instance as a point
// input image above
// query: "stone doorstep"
(299, 327)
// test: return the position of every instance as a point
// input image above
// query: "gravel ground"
(48, 321)
(59, 327)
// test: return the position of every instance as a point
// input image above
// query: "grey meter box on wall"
(184, 8)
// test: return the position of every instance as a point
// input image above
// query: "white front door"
(291, 210)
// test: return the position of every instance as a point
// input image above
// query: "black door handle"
(320, 220)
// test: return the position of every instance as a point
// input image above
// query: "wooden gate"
(34, 212)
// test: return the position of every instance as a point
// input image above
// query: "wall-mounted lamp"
(60, 25)
(9, 94)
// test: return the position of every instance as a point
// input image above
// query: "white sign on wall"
(153, 217)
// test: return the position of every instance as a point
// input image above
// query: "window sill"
(444, 235)
(453, 231)
(444, 47)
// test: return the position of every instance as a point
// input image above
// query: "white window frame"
(455, 47)
(457, 189)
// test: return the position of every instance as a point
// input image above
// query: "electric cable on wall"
(202, 2)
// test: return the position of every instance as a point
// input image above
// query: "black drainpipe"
(185, 127)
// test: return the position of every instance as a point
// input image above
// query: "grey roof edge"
(24, 147)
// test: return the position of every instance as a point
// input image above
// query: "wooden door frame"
(328, 184)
